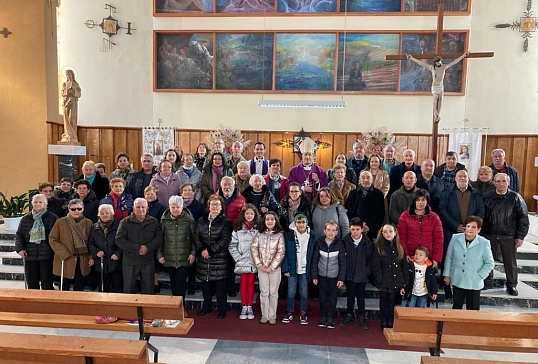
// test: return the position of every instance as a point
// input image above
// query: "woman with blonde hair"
(484, 182)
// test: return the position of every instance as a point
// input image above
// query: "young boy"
(358, 258)
(422, 279)
(300, 242)
(328, 271)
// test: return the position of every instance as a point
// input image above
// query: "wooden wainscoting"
(103, 143)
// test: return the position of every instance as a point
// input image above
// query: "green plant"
(15, 206)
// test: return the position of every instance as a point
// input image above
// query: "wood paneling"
(103, 143)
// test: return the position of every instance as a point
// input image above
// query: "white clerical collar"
(307, 168)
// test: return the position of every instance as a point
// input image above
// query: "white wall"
(117, 85)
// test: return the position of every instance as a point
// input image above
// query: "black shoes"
(221, 315)
(203, 312)
(512, 291)
(362, 323)
(348, 320)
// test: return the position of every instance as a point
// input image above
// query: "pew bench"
(461, 329)
(56, 349)
(76, 310)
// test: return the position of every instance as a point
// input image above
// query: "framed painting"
(433, 5)
(371, 6)
(362, 65)
(241, 6)
(183, 61)
(175, 7)
(305, 61)
(414, 78)
(244, 61)
(156, 141)
(306, 6)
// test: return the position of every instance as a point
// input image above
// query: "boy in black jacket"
(358, 258)
(328, 270)
(422, 279)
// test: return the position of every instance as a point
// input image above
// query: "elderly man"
(389, 159)
(456, 204)
(506, 223)
(139, 236)
(141, 179)
(359, 161)
(429, 182)
(220, 146)
(310, 176)
(401, 199)
(447, 171)
(259, 164)
(397, 172)
(499, 165)
(69, 240)
(236, 157)
(367, 203)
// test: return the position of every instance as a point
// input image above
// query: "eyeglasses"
(76, 208)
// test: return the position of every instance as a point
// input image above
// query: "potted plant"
(12, 209)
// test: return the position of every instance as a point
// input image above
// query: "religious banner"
(157, 141)
(467, 143)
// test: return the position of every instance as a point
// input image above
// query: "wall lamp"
(303, 103)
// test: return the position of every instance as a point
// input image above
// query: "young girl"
(245, 228)
(267, 251)
(390, 270)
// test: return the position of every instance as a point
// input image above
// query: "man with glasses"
(141, 179)
(220, 146)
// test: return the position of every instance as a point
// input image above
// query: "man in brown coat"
(69, 240)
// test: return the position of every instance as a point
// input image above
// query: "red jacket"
(427, 232)
(233, 205)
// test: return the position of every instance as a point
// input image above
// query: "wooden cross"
(438, 50)
(5, 32)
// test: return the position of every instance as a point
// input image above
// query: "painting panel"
(183, 6)
(306, 6)
(414, 78)
(370, 6)
(241, 6)
(433, 5)
(157, 140)
(305, 61)
(362, 65)
(244, 61)
(184, 60)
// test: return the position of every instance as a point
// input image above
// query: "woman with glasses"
(295, 202)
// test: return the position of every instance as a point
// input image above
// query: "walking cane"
(24, 267)
(62, 277)
(102, 274)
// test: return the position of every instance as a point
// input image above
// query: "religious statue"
(70, 94)
(438, 74)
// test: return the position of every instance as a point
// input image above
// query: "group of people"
(213, 214)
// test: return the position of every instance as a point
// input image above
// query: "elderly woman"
(32, 244)
(54, 204)
(188, 173)
(212, 174)
(468, 262)
(340, 186)
(124, 169)
(325, 208)
(380, 177)
(166, 182)
(419, 226)
(177, 251)
(102, 245)
(259, 195)
(201, 157)
(351, 176)
(211, 241)
(87, 196)
(242, 177)
(119, 199)
(69, 240)
(98, 184)
(156, 210)
(484, 183)
(295, 202)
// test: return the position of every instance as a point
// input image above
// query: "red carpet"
(231, 328)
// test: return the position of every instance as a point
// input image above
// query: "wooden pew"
(462, 329)
(76, 310)
(56, 349)
(444, 360)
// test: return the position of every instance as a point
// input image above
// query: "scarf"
(123, 173)
(91, 179)
(217, 176)
(37, 232)
(187, 202)
(120, 211)
(105, 225)
(188, 170)
(79, 232)
(248, 225)
(364, 190)
(340, 185)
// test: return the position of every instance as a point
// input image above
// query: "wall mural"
(328, 62)
(262, 7)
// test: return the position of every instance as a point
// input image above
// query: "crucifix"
(437, 87)
(5, 32)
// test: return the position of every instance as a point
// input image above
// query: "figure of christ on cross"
(438, 74)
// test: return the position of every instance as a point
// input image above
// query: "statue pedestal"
(67, 159)
(60, 142)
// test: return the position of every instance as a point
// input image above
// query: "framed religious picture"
(156, 141)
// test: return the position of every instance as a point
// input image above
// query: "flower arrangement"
(229, 136)
(377, 139)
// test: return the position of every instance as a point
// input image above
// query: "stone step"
(7, 245)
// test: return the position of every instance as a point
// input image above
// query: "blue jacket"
(289, 263)
(449, 211)
(435, 188)
(468, 266)
(512, 173)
